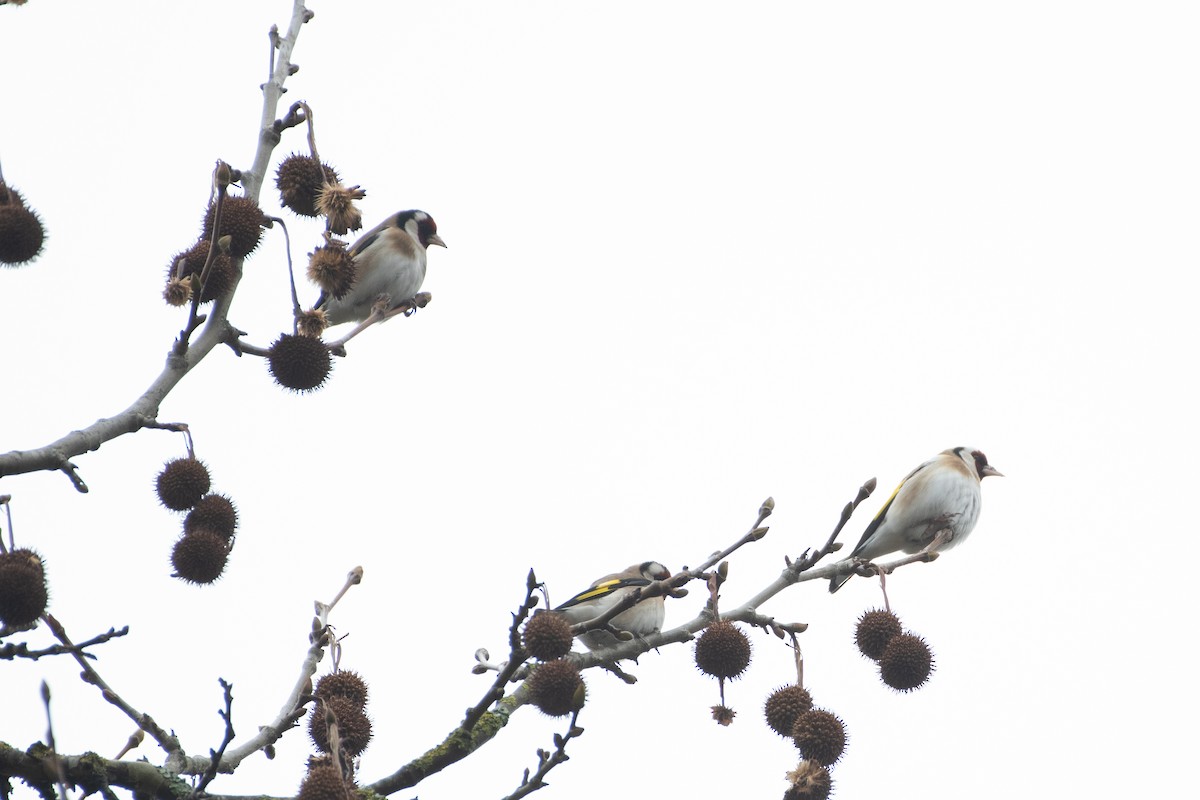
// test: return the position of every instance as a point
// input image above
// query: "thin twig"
(214, 765)
(548, 761)
(167, 742)
(11, 651)
(59, 772)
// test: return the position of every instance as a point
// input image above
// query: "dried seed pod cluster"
(340, 715)
(905, 660)
(200, 554)
(818, 734)
(242, 223)
(310, 189)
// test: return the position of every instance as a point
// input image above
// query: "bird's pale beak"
(435, 239)
(990, 470)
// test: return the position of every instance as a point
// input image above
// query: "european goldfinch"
(389, 262)
(939, 499)
(644, 618)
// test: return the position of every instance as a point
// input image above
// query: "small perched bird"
(644, 618)
(934, 508)
(389, 260)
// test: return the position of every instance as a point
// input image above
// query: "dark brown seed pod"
(21, 231)
(784, 705)
(23, 594)
(808, 781)
(906, 662)
(299, 179)
(343, 683)
(875, 629)
(332, 269)
(221, 275)
(242, 220)
(556, 688)
(182, 483)
(723, 651)
(353, 726)
(215, 512)
(547, 636)
(299, 363)
(200, 557)
(820, 735)
(325, 782)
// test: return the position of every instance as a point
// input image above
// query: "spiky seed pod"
(875, 629)
(241, 219)
(556, 688)
(820, 735)
(299, 179)
(336, 203)
(343, 683)
(784, 705)
(221, 275)
(23, 594)
(354, 728)
(299, 363)
(723, 715)
(809, 781)
(182, 483)
(21, 230)
(312, 323)
(547, 636)
(199, 557)
(178, 291)
(723, 651)
(906, 662)
(215, 512)
(324, 782)
(332, 269)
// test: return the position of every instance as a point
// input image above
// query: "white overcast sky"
(699, 254)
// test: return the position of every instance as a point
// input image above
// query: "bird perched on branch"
(644, 618)
(934, 508)
(389, 261)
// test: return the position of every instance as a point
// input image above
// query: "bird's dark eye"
(980, 461)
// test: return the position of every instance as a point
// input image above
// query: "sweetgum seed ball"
(875, 629)
(215, 512)
(820, 735)
(299, 179)
(299, 363)
(547, 636)
(241, 219)
(555, 687)
(906, 662)
(354, 728)
(723, 651)
(784, 705)
(323, 782)
(182, 483)
(343, 683)
(200, 557)
(23, 594)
